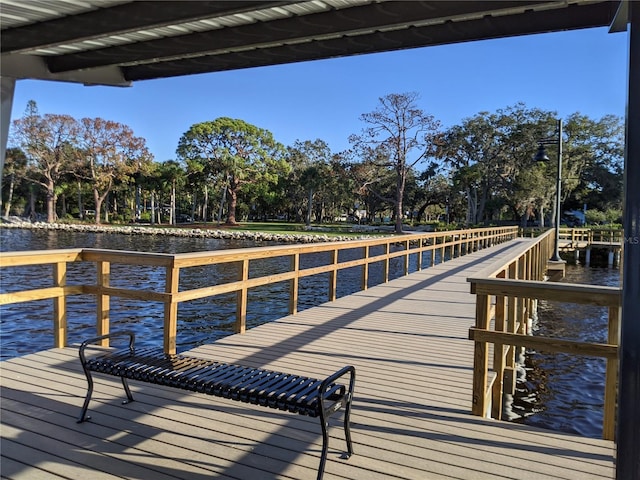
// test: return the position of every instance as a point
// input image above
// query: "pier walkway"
(408, 340)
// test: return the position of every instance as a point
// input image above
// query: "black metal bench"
(292, 393)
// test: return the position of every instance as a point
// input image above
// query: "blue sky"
(580, 71)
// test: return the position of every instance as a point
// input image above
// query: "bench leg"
(85, 406)
(325, 439)
(127, 391)
(87, 372)
(327, 411)
(87, 399)
(347, 429)
(325, 447)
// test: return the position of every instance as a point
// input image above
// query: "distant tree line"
(402, 167)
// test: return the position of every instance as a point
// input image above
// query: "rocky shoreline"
(177, 232)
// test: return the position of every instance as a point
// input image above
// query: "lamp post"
(542, 156)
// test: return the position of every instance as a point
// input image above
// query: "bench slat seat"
(268, 388)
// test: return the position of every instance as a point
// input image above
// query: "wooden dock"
(411, 420)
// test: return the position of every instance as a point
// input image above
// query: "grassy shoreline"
(267, 231)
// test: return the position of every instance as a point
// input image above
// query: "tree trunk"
(223, 200)
(10, 195)
(80, 205)
(309, 206)
(51, 196)
(233, 202)
(98, 201)
(32, 204)
(63, 207)
(138, 198)
(206, 202)
(399, 196)
(153, 208)
(172, 218)
(193, 206)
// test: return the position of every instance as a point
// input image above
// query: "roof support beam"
(574, 16)
(351, 21)
(29, 66)
(628, 424)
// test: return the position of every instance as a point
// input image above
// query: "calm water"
(555, 391)
(26, 327)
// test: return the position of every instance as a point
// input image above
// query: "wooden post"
(103, 303)
(498, 360)
(385, 267)
(406, 257)
(294, 284)
(510, 360)
(611, 378)
(433, 254)
(171, 310)
(333, 275)
(481, 359)
(364, 282)
(60, 306)
(521, 308)
(241, 298)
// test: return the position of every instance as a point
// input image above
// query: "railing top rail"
(39, 257)
(561, 292)
(208, 257)
(578, 229)
(127, 257)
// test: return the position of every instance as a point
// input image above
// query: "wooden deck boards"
(411, 420)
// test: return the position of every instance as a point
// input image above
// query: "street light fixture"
(541, 156)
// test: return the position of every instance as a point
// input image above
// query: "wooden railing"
(249, 265)
(586, 235)
(506, 297)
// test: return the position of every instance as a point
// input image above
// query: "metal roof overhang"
(117, 42)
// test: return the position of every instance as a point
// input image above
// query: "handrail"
(379, 250)
(508, 295)
(584, 235)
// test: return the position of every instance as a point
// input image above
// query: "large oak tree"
(235, 152)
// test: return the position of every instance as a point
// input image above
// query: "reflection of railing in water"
(241, 270)
(507, 294)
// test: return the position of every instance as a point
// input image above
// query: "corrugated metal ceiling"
(123, 41)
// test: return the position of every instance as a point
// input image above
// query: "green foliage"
(487, 173)
(491, 163)
(235, 152)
